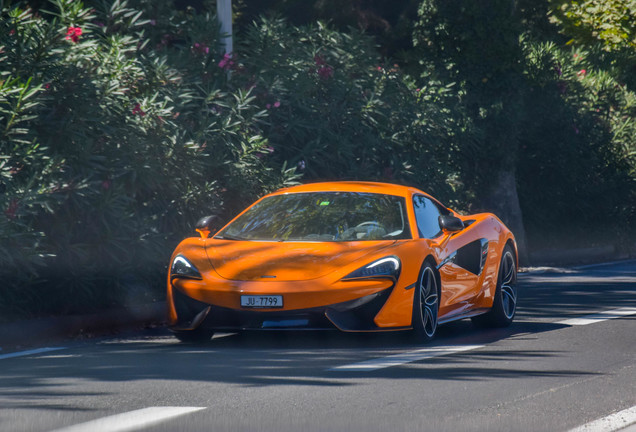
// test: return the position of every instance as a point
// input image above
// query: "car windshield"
(322, 216)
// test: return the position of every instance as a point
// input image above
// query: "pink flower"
(325, 72)
(226, 62)
(581, 73)
(73, 34)
(137, 110)
(268, 106)
(201, 48)
(276, 104)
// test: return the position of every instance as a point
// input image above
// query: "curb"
(30, 332)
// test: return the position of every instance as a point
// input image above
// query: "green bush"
(337, 111)
(575, 158)
(117, 133)
(122, 126)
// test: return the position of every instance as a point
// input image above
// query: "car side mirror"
(450, 223)
(207, 224)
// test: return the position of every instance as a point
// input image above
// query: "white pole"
(224, 14)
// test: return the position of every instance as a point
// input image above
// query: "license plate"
(262, 301)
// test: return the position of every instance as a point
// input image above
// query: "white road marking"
(130, 421)
(166, 340)
(29, 352)
(610, 423)
(402, 358)
(59, 356)
(600, 316)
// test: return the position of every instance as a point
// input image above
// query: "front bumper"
(352, 315)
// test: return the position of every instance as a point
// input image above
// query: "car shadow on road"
(266, 359)
(261, 359)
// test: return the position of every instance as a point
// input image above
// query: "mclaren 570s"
(352, 256)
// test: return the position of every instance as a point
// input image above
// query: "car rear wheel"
(426, 305)
(198, 335)
(505, 302)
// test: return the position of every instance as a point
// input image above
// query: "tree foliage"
(611, 22)
(390, 23)
(542, 115)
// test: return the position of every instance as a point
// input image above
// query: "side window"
(427, 217)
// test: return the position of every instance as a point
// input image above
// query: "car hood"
(285, 261)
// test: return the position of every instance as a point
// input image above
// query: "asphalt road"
(568, 360)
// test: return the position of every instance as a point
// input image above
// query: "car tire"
(504, 304)
(426, 304)
(198, 335)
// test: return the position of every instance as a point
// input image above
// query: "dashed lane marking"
(29, 352)
(600, 316)
(611, 423)
(402, 358)
(425, 353)
(130, 421)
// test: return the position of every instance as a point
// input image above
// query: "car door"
(457, 254)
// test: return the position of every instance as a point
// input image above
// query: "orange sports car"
(353, 256)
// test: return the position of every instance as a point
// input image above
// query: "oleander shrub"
(117, 132)
(338, 111)
(121, 125)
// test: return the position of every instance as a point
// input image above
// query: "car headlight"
(181, 267)
(388, 267)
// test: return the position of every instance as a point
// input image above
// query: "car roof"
(351, 186)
